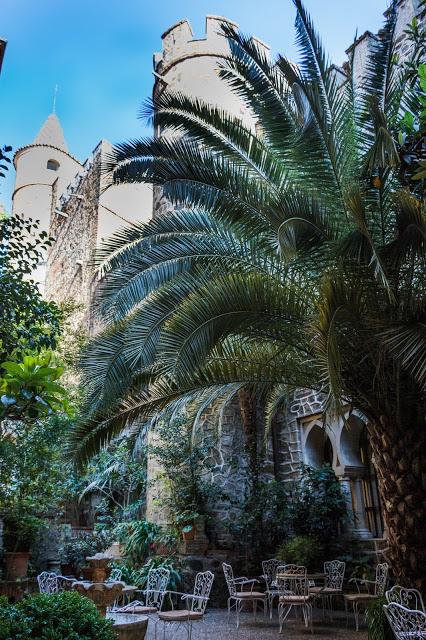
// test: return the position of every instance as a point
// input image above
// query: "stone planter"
(100, 593)
(87, 574)
(99, 567)
(16, 564)
(129, 626)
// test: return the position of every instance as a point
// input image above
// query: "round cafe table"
(311, 577)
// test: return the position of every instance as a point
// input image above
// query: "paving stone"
(216, 625)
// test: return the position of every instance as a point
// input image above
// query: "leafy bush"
(75, 550)
(301, 550)
(138, 537)
(33, 479)
(318, 504)
(27, 322)
(118, 474)
(139, 576)
(63, 616)
(264, 523)
(377, 623)
(29, 388)
(185, 462)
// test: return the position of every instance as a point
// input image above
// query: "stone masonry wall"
(70, 270)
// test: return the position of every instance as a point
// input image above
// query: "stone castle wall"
(70, 270)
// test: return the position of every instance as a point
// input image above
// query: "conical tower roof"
(51, 134)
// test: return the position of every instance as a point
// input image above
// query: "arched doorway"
(344, 445)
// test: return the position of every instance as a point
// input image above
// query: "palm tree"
(294, 257)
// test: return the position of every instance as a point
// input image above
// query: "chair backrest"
(381, 579)
(157, 582)
(64, 584)
(48, 582)
(294, 581)
(409, 598)
(202, 587)
(334, 574)
(269, 568)
(229, 577)
(405, 623)
(116, 575)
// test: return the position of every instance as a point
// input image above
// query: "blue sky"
(99, 52)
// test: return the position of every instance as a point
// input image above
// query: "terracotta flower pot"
(188, 535)
(16, 564)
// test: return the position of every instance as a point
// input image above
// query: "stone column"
(361, 529)
(351, 481)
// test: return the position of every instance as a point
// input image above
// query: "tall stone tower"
(43, 169)
(189, 65)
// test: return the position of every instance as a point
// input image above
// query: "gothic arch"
(319, 445)
(349, 442)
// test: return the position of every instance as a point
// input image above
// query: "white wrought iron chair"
(237, 597)
(156, 586)
(408, 598)
(48, 582)
(52, 583)
(293, 586)
(359, 599)
(406, 624)
(116, 575)
(333, 585)
(270, 568)
(196, 603)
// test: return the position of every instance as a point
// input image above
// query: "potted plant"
(18, 535)
(185, 521)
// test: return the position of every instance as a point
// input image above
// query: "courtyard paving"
(216, 625)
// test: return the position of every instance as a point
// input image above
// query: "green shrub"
(63, 616)
(138, 538)
(139, 576)
(75, 550)
(377, 623)
(301, 550)
(318, 506)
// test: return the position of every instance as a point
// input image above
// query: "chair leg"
(356, 614)
(237, 608)
(346, 612)
(280, 616)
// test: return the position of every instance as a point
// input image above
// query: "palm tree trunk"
(399, 456)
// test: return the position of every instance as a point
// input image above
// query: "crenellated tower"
(189, 65)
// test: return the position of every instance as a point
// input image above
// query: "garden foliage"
(64, 616)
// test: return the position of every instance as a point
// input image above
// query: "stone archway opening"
(318, 449)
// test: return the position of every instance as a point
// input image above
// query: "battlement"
(179, 42)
